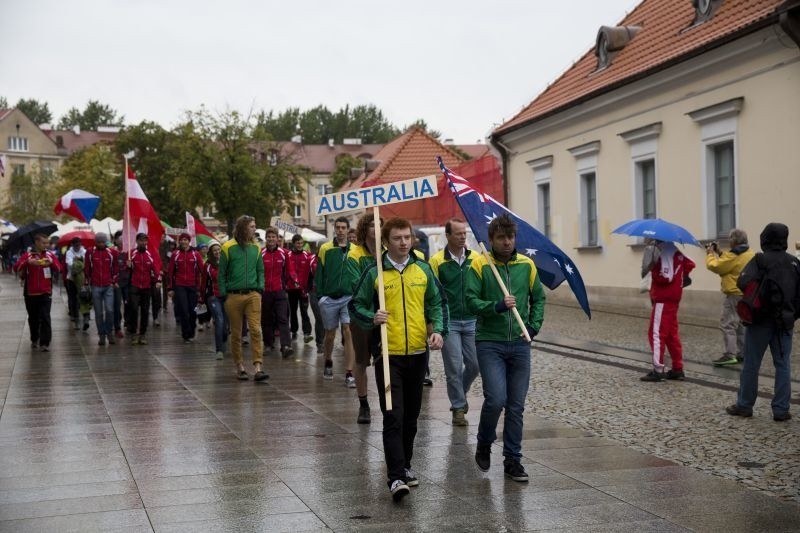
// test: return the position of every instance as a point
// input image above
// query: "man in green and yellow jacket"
(414, 303)
(504, 356)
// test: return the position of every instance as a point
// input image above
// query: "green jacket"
(453, 277)
(240, 268)
(414, 299)
(330, 279)
(484, 294)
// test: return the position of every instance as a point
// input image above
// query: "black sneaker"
(411, 478)
(514, 470)
(725, 360)
(675, 374)
(653, 376)
(260, 376)
(735, 410)
(399, 490)
(483, 457)
(364, 415)
(781, 417)
(101, 341)
(286, 351)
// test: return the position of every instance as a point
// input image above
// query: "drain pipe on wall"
(789, 21)
(505, 151)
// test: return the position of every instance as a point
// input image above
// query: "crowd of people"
(454, 301)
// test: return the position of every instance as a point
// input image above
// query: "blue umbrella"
(656, 228)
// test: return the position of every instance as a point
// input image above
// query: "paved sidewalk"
(163, 438)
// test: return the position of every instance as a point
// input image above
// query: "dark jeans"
(506, 373)
(296, 300)
(138, 310)
(406, 373)
(155, 299)
(756, 340)
(275, 313)
(72, 299)
(319, 328)
(217, 309)
(38, 308)
(185, 300)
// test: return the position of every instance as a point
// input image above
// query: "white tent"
(107, 225)
(307, 234)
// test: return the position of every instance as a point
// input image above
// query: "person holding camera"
(728, 265)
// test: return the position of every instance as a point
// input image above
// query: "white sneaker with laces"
(399, 490)
(411, 478)
(350, 382)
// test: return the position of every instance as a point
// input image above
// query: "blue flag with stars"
(553, 265)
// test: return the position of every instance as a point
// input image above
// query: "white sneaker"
(328, 372)
(350, 382)
(398, 489)
(411, 478)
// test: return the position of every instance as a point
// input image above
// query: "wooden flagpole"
(503, 288)
(387, 391)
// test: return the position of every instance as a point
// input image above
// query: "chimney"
(448, 142)
(297, 139)
(76, 129)
(330, 142)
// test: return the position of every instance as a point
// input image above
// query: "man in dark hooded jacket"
(773, 325)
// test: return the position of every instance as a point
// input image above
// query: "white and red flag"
(140, 217)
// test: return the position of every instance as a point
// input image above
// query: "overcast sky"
(462, 66)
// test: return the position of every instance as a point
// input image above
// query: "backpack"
(773, 295)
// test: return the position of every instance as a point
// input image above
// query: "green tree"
(318, 125)
(38, 112)
(93, 115)
(32, 195)
(420, 123)
(343, 173)
(3, 102)
(227, 161)
(155, 150)
(98, 170)
(280, 127)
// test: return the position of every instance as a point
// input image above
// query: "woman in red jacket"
(670, 273)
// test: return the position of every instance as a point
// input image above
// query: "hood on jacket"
(775, 237)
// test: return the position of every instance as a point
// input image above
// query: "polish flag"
(200, 234)
(140, 217)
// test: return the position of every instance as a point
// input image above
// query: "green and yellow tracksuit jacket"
(453, 278)
(330, 279)
(240, 268)
(358, 260)
(414, 299)
(485, 299)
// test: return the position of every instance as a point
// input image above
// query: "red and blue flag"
(79, 204)
(553, 265)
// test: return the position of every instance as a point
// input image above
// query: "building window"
(19, 170)
(298, 211)
(643, 142)
(646, 187)
(589, 208)
(542, 174)
(724, 188)
(544, 208)
(17, 144)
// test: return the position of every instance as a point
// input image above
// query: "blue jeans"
(506, 373)
(217, 309)
(756, 339)
(460, 361)
(103, 299)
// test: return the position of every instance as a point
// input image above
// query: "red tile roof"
(321, 158)
(75, 141)
(4, 113)
(665, 39)
(411, 155)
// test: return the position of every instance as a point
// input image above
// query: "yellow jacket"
(728, 266)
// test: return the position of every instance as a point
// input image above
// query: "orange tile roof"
(411, 155)
(72, 141)
(665, 39)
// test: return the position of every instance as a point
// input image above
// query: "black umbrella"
(23, 237)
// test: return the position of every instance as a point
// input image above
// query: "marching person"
(298, 296)
(210, 295)
(184, 276)
(278, 275)
(144, 274)
(414, 302)
(504, 356)
(76, 249)
(728, 265)
(123, 283)
(36, 269)
(101, 274)
(451, 265)
(241, 282)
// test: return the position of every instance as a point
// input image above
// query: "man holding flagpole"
(504, 356)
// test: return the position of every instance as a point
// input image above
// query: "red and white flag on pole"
(140, 217)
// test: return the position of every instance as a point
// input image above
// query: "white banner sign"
(285, 226)
(389, 193)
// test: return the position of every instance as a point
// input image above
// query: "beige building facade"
(710, 143)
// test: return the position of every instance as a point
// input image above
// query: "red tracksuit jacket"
(278, 270)
(143, 270)
(663, 290)
(101, 267)
(185, 269)
(302, 263)
(38, 277)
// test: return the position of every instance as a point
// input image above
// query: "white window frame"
(17, 144)
(297, 211)
(643, 143)
(542, 176)
(586, 159)
(718, 124)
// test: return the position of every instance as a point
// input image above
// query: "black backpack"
(773, 295)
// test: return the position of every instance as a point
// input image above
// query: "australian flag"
(552, 264)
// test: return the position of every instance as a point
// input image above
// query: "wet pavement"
(164, 438)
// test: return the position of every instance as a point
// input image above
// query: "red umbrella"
(86, 237)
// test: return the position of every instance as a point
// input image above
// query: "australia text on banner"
(389, 193)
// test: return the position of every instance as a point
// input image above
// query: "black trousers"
(406, 373)
(38, 308)
(275, 314)
(296, 300)
(155, 299)
(72, 299)
(185, 300)
(138, 310)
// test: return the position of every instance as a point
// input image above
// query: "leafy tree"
(420, 123)
(38, 112)
(370, 125)
(228, 161)
(3, 102)
(281, 127)
(31, 195)
(319, 124)
(155, 151)
(343, 173)
(98, 170)
(93, 115)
